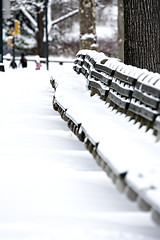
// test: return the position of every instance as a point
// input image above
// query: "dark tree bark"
(88, 38)
(40, 33)
(142, 33)
(120, 30)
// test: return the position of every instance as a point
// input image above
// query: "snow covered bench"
(100, 126)
(129, 89)
(99, 88)
(136, 92)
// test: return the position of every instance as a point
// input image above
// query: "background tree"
(88, 38)
(64, 36)
(40, 28)
(142, 33)
(31, 17)
(120, 30)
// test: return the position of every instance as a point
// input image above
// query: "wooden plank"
(125, 78)
(81, 56)
(83, 70)
(86, 64)
(148, 113)
(93, 141)
(134, 108)
(146, 99)
(79, 62)
(121, 102)
(151, 90)
(77, 69)
(92, 61)
(88, 57)
(60, 105)
(121, 90)
(100, 77)
(104, 69)
(102, 91)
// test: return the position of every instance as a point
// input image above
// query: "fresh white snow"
(50, 185)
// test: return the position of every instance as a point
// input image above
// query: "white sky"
(50, 186)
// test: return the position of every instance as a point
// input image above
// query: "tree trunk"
(40, 34)
(142, 33)
(88, 38)
(120, 30)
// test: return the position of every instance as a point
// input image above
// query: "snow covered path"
(50, 186)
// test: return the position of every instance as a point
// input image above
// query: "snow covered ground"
(50, 186)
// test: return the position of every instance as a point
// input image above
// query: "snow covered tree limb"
(28, 15)
(65, 17)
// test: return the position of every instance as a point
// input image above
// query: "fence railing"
(42, 60)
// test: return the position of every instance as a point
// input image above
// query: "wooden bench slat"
(104, 69)
(102, 91)
(133, 107)
(151, 90)
(148, 114)
(86, 64)
(125, 78)
(121, 90)
(118, 100)
(148, 100)
(100, 77)
(77, 69)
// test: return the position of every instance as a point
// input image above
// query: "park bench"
(121, 89)
(78, 63)
(135, 92)
(146, 100)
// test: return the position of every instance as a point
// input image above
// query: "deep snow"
(50, 186)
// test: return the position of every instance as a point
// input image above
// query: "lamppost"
(46, 31)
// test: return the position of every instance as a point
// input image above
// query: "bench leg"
(158, 136)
